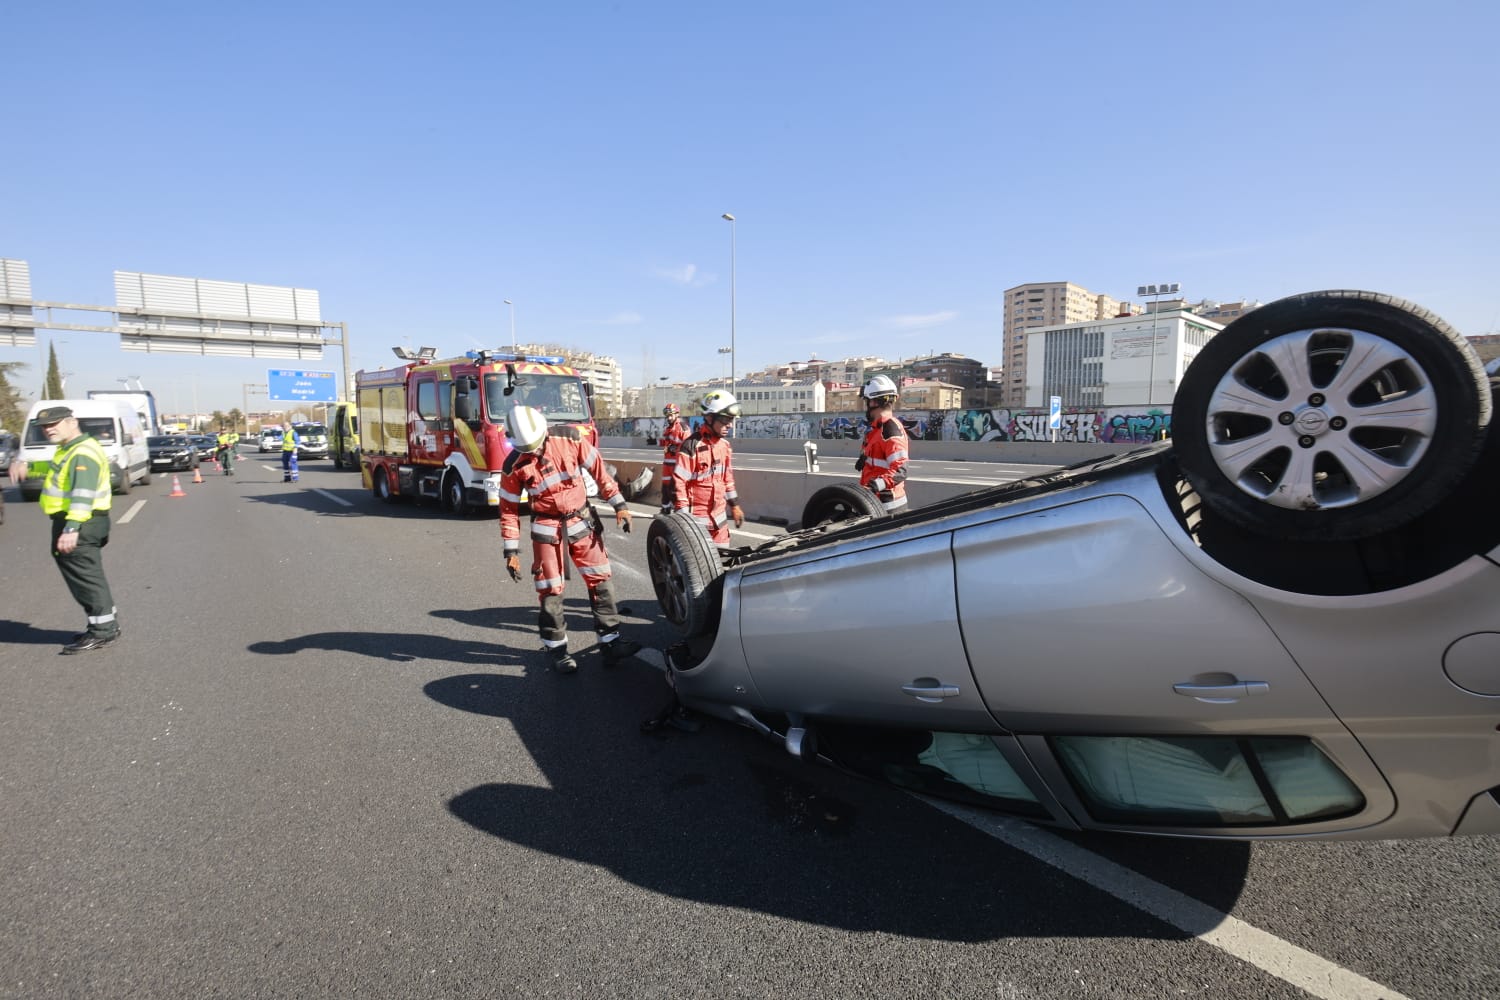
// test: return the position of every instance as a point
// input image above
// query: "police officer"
(289, 442)
(549, 471)
(226, 452)
(76, 496)
(882, 456)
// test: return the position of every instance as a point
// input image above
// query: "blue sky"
(892, 167)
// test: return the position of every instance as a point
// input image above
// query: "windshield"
(559, 397)
(167, 442)
(103, 429)
(305, 429)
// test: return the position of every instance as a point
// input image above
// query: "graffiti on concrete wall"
(1117, 425)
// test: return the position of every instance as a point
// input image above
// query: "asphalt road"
(327, 759)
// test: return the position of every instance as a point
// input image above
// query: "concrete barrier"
(778, 497)
(1037, 453)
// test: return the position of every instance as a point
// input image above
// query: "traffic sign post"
(1054, 418)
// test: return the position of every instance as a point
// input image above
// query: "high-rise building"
(1046, 303)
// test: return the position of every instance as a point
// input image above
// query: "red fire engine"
(436, 429)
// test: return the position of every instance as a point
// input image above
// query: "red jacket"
(552, 479)
(671, 440)
(883, 462)
(704, 477)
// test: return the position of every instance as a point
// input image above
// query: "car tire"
(124, 487)
(455, 495)
(840, 502)
(146, 476)
(636, 486)
(685, 572)
(381, 486)
(1274, 436)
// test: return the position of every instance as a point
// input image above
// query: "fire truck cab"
(435, 429)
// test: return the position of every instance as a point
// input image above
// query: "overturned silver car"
(1283, 622)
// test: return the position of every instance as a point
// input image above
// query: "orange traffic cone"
(177, 490)
(197, 475)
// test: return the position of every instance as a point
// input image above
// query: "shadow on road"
(724, 817)
(26, 634)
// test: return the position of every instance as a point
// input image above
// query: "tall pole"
(512, 305)
(733, 371)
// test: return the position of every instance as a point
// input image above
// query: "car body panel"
(794, 615)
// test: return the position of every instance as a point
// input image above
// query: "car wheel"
(455, 496)
(840, 502)
(146, 476)
(686, 573)
(382, 486)
(124, 488)
(1330, 416)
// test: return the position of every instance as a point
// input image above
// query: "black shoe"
(562, 661)
(620, 649)
(89, 641)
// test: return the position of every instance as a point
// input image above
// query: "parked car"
(172, 452)
(270, 439)
(1285, 621)
(312, 440)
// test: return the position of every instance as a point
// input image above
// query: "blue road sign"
(1054, 419)
(302, 387)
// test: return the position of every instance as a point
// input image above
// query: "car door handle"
(930, 690)
(1222, 694)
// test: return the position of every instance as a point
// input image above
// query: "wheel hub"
(1312, 421)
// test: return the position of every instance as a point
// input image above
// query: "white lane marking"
(1282, 959)
(134, 509)
(338, 500)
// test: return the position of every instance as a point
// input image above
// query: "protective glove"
(738, 513)
(859, 464)
(877, 484)
(513, 567)
(622, 518)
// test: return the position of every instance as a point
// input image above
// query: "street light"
(661, 386)
(512, 326)
(729, 383)
(1154, 292)
(733, 372)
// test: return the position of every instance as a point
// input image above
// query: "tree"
(235, 416)
(52, 388)
(12, 403)
(218, 420)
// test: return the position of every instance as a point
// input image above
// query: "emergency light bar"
(486, 357)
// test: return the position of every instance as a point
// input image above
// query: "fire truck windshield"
(559, 397)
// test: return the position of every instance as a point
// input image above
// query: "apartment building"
(1043, 304)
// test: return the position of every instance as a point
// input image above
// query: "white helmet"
(527, 427)
(880, 385)
(720, 402)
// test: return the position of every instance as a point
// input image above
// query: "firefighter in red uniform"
(882, 457)
(704, 477)
(672, 436)
(549, 470)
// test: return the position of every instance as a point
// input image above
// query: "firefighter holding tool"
(549, 471)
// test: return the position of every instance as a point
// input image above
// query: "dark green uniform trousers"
(83, 570)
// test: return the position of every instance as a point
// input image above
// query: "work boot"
(90, 641)
(562, 661)
(619, 649)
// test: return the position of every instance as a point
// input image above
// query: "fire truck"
(435, 429)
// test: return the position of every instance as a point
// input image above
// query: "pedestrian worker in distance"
(549, 469)
(882, 457)
(76, 496)
(289, 443)
(704, 476)
(225, 452)
(672, 436)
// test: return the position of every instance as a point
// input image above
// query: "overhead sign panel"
(301, 387)
(162, 313)
(17, 326)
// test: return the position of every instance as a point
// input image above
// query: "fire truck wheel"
(382, 486)
(455, 496)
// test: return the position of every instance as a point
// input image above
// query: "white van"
(114, 424)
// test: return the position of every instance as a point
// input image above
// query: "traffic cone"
(177, 490)
(197, 475)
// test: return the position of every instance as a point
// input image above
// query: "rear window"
(167, 442)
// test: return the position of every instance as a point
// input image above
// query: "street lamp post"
(1154, 292)
(733, 372)
(512, 326)
(729, 382)
(661, 385)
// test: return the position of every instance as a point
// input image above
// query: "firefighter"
(672, 436)
(550, 469)
(704, 476)
(882, 457)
